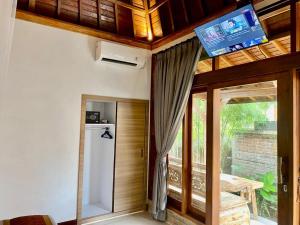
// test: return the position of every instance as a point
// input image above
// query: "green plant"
(268, 195)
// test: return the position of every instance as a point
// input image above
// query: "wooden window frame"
(288, 67)
(252, 72)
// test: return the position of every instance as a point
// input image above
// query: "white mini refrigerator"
(98, 170)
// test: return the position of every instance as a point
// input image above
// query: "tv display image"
(237, 30)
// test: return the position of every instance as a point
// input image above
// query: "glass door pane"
(199, 151)
(248, 138)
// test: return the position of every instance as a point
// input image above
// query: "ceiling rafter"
(98, 13)
(171, 16)
(128, 6)
(31, 5)
(226, 61)
(148, 21)
(280, 47)
(248, 55)
(157, 5)
(186, 18)
(264, 51)
(79, 10)
(58, 8)
(116, 18)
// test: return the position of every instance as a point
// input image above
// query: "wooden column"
(295, 169)
(296, 146)
(295, 26)
(213, 157)
(187, 158)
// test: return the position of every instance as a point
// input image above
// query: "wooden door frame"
(251, 73)
(84, 99)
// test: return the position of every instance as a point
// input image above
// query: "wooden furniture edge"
(116, 99)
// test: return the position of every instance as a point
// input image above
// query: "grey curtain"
(173, 78)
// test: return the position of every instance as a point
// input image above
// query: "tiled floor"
(135, 219)
(95, 209)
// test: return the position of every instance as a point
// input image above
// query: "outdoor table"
(245, 187)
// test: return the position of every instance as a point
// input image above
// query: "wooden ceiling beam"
(171, 16)
(128, 6)
(117, 18)
(186, 18)
(275, 13)
(32, 17)
(157, 5)
(148, 21)
(295, 26)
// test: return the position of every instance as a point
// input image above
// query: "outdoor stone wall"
(254, 153)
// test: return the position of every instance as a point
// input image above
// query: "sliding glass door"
(249, 137)
(234, 160)
(248, 154)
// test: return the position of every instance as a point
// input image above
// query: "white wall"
(40, 117)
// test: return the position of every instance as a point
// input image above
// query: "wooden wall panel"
(107, 20)
(89, 13)
(125, 21)
(130, 168)
(46, 7)
(140, 24)
(195, 10)
(23, 4)
(178, 14)
(213, 6)
(69, 10)
(166, 23)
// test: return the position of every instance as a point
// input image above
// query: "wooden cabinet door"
(130, 165)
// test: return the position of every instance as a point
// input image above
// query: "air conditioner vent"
(119, 62)
(107, 52)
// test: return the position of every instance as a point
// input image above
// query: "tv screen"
(235, 31)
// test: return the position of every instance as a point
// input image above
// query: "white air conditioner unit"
(107, 52)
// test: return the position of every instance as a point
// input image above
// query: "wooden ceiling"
(142, 23)
(271, 49)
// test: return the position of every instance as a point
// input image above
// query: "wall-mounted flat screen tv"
(237, 30)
